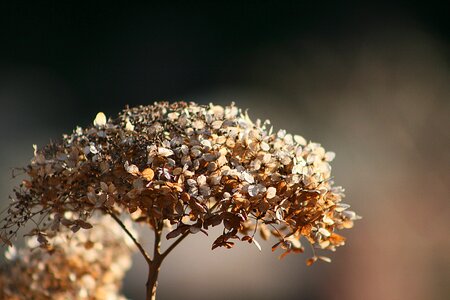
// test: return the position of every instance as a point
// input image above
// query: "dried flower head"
(89, 265)
(190, 166)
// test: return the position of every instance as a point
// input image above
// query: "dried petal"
(165, 152)
(257, 244)
(324, 258)
(148, 174)
(311, 260)
(271, 192)
(132, 169)
(100, 120)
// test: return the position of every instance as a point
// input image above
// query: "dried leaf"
(284, 254)
(178, 231)
(274, 247)
(42, 239)
(66, 222)
(83, 224)
(194, 229)
(75, 228)
(247, 238)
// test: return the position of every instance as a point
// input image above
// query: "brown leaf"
(83, 224)
(185, 197)
(132, 208)
(75, 228)
(180, 230)
(194, 229)
(282, 187)
(282, 256)
(66, 222)
(247, 238)
(195, 206)
(27, 184)
(274, 247)
(141, 219)
(42, 239)
(213, 221)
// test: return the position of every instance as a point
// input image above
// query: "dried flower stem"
(154, 265)
(152, 280)
(138, 245)
(174, 245)
(158, 257)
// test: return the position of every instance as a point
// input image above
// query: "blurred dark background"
(368, 81)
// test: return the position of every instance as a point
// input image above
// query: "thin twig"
(174, 244)
(144, 253)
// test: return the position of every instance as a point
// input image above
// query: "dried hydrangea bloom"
(86, 266)
(190, 166)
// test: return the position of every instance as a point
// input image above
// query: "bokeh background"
(368, 81)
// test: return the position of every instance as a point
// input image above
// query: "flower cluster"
(89, 265)
(189, 165)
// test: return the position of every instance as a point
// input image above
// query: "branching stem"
(138, 245)
(163, 255)
(154, 264)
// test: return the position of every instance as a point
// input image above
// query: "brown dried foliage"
(191, 165)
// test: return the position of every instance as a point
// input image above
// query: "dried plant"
(89, 265)
(188, 166)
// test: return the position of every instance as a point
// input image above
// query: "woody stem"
(152, 279)
(155, 263)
